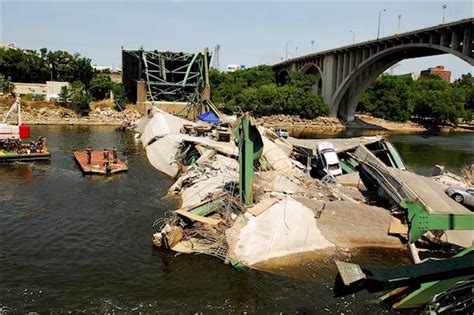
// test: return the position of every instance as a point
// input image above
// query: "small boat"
(13, 133)
(12, 156)
(97, 165)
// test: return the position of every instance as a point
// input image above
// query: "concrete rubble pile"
(291, 213)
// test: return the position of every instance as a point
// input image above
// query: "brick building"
(439, 71)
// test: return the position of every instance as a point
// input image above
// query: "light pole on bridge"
(444, 11)
(353, 37)
(286, 56)
(380, 16)
(398, 28)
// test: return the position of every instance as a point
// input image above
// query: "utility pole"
(353, 37)
(296, 51)
(312, 44)
(398, 28)
(286, 56)
(443, 7)
(380, 16)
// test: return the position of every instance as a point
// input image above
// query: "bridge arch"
(282, 77)
(313, 69)
(346, 97)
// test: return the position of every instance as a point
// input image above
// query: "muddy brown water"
(74, 243)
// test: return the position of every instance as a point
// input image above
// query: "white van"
(328, 157)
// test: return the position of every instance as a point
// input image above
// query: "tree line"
(87, 84)
(399, 98)
(395, 98)
(256, 90)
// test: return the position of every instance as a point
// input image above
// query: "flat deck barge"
(97, 164)
(12, 156)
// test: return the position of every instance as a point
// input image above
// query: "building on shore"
(49, 90)
(439, 71)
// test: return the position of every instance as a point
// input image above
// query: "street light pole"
(444, 11)
(286, 56)
(380, 16)
(398, 29)
(353, 37)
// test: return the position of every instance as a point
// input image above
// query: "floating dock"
(97, 164)
(12, 156)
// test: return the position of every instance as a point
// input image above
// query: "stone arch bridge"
(344, 74)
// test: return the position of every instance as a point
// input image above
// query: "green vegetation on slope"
(23, 65)
(398, 98)
(256, 90)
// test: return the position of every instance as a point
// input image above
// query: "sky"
(249, 33)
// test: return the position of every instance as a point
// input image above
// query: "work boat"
(12, 136)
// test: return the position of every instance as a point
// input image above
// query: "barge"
(97, 165)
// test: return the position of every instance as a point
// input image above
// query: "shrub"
(76, 98)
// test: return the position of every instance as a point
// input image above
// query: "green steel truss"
(169, 76)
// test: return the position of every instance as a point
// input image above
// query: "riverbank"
(297, 125)
(102, 113)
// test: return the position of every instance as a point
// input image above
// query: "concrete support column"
(467, 42)
(329, 78)
(141, 97)
(345, 67)
(352, 60)
(141, 91)
(358, 57)
(340, 64)
(444, 39)
(455, 40)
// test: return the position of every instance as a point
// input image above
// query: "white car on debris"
(282, 132)
(328, 157)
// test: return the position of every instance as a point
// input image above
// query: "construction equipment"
(14, 130)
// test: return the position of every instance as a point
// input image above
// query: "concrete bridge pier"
(329, 78)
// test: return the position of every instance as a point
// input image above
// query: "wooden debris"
(262, 206)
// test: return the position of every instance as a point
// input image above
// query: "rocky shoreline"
(48, 113)
(102, 113)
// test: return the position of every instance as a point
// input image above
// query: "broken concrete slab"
(285, 228)
(351, 225)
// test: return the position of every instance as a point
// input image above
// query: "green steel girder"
(250, 149)
(448, 272)
(421, 221)
(410, 286)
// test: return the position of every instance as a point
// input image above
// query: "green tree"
(30, 66)
(388, 98)
(119, 96)
(100, 86)
(76, 98)
(465, 85)
(255, 90)
(438, 100)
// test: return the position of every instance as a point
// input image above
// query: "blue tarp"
(209, 117)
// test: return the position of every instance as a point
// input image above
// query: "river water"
(77, 243)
